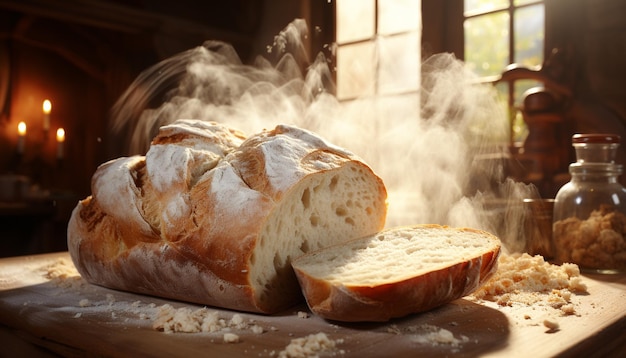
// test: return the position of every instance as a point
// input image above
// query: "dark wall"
(83, 59)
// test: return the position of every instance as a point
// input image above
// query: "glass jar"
(589, 227)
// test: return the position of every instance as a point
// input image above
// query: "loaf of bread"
(212, 217)
(396, 272)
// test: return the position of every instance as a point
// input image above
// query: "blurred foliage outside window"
(499, 33)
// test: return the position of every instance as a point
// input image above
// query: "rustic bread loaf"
(396, 272)
(211, 217)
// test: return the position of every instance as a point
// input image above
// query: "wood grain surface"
(43, 317)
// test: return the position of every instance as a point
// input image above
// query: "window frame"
(377, 89)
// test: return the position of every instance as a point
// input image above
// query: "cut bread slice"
(396, 272)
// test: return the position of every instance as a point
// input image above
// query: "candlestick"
(47, 108)
(21, 139)
(60, 140)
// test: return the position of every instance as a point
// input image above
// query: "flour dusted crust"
(213, 217)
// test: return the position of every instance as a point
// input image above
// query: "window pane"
(398, 16)
(529, 28)
(399, 63)
(355, 70)
(475, 6)
(487, 43)
(355, 20)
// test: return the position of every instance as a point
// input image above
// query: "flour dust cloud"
(429, 149)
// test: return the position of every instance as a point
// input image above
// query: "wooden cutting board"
(72, 318)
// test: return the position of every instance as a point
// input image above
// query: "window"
(502, 32)
(378, 47)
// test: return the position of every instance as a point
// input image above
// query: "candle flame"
(21, 128)
(60, 135)
(47, 106)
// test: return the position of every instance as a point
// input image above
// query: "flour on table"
(431, 335)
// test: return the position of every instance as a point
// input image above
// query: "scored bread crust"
(392, 297)
(212, 217)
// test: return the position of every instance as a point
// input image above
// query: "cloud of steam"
(431, 148)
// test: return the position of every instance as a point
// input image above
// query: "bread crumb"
(84, 302)
(256, 329)
(553, 326)
(530, 280)
(171, 320)
(302, 314)
(568, 309)
(310, 346)
(63, 273)
(231, 338)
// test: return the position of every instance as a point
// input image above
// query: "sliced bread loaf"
(396, 272)
(213, 217)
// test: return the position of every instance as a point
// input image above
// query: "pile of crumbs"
(432, 335)
(170, 320)
(63, 273)
(530, 280)
(311, 346)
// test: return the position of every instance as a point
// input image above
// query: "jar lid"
(597, 138)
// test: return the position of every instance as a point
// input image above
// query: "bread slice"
(396, 272)
(213, 217)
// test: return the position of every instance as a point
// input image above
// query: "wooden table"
(39, 317)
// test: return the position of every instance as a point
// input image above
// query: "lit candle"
(21, 131)
(60, 140)
(47, 107)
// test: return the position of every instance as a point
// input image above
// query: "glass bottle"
(589, 227)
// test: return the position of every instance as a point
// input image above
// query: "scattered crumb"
(302, 314)
(310, 346)
(231, 338)
(440, 337)
(530, 280)
(429, 334)
(63, 274)
(568, 309)
(84, 302)
(256, 329)
(170, 320)
(552, 326)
